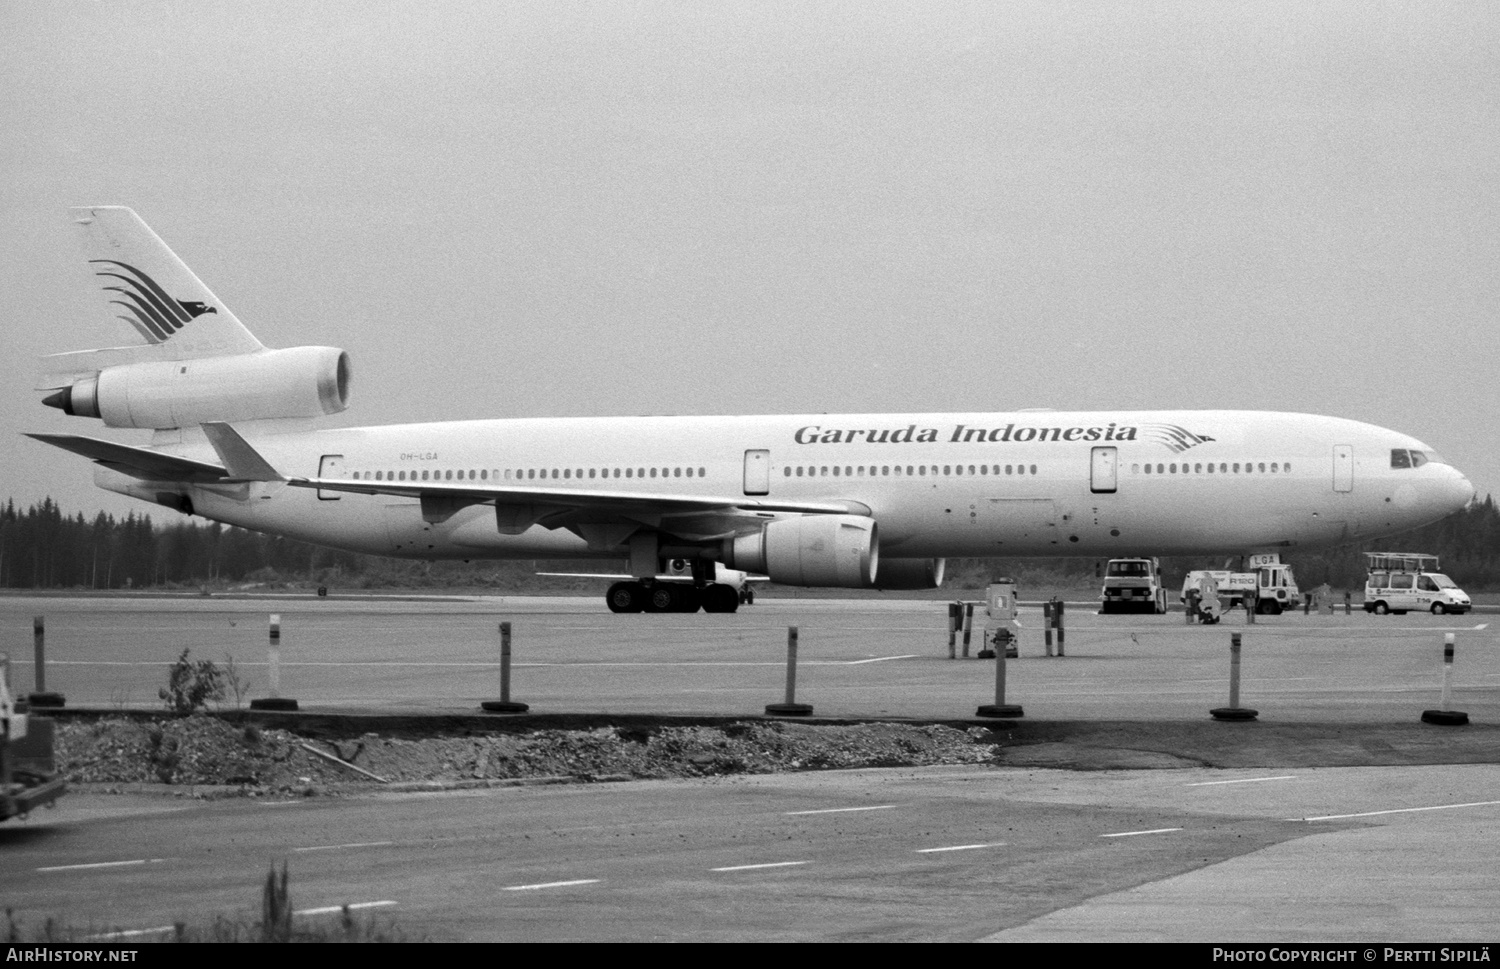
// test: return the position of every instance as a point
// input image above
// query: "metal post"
(42, 697)
(273, 657)
(1047, 626)
(1058, 611)
(968, 626)
(39, 651)
(273, 673)
(1446, 716)
(1252, 602)
(791, 708)
(1346, 603)
(504, 704)
(952, 630)
(1234, 711)
(1000, 708)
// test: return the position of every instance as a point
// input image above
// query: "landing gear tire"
(662, 598)
(689, 599)
(747, 596)
(720, 598)
(1438, 609)
(625, 597)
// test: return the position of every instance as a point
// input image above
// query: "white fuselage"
(1015, 484)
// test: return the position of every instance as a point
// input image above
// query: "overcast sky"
(530, 209)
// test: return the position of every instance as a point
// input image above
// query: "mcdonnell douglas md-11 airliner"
(851, 501)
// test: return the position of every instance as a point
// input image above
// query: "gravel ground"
(203, 751)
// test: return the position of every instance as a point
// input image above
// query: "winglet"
(240, 459)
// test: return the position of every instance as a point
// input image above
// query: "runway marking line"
(353, 907)
(1132, 834)
(769, 864)
(933, 851)
(1374, 814)
(566, 884)
(847, 810)
(104, 864)
(325, 910)
(1242, 780)
(356, 844)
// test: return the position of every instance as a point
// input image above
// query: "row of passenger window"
(1249, 467)
(529, 474)
(897, 470)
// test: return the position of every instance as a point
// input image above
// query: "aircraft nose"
(1457, 491)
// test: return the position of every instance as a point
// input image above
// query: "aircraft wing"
(700, 515)
(139, 462)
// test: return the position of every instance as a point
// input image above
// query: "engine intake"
(907, 574)
(296, 382)
(814, 550)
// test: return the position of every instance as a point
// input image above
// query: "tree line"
(41, 548)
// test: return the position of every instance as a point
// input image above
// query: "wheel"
(689, 599)
(747, 595)
(1269, 607)
(720, 598)
(662, 598)
(625, 597)
(1381, 609)
(1438, 609)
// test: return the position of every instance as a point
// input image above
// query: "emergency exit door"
(1343, 467)
(1104, 470)
(757, 472)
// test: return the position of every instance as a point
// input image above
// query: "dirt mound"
(204, 750)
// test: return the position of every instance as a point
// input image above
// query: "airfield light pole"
(504, 704)
(42, 697)
(273, 673)
(1446, 716)
(790, 707)
(1234, 711)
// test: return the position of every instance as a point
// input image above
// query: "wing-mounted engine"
(822, 550)
(295, 382)
(908, 574)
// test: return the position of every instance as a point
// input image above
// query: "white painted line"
(529, 888)
(105, 864)
(881, 659)
(1482, 625)
(1131, 834)
(353, 907)
(1374, 814)
(1242, 780)
(933, 851)
(773, 864)
(357, 844)
(848, 810)
(129, 933)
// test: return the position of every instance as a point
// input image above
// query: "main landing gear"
(671, 597)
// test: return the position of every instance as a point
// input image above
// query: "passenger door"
(757, 472)
(331, 466)
(1104, 467)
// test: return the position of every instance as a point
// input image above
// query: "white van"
(1399, 582)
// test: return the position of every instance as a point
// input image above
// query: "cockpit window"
(1402, 458)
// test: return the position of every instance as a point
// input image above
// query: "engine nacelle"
(296, 382)
(905, 574)
(818, 550)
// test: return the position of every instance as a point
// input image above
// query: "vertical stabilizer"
(144, 283)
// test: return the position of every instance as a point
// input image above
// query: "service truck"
(1133, 585)
(1270, 583)
(1401, 581)
(28, 774)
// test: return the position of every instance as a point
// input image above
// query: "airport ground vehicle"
(1133, 585)
(1271, 582)
(1401, 581)
(28, 775)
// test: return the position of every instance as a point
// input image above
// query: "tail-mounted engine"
(296, 382)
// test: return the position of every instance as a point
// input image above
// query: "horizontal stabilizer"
(140, 462)
(242, 461)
